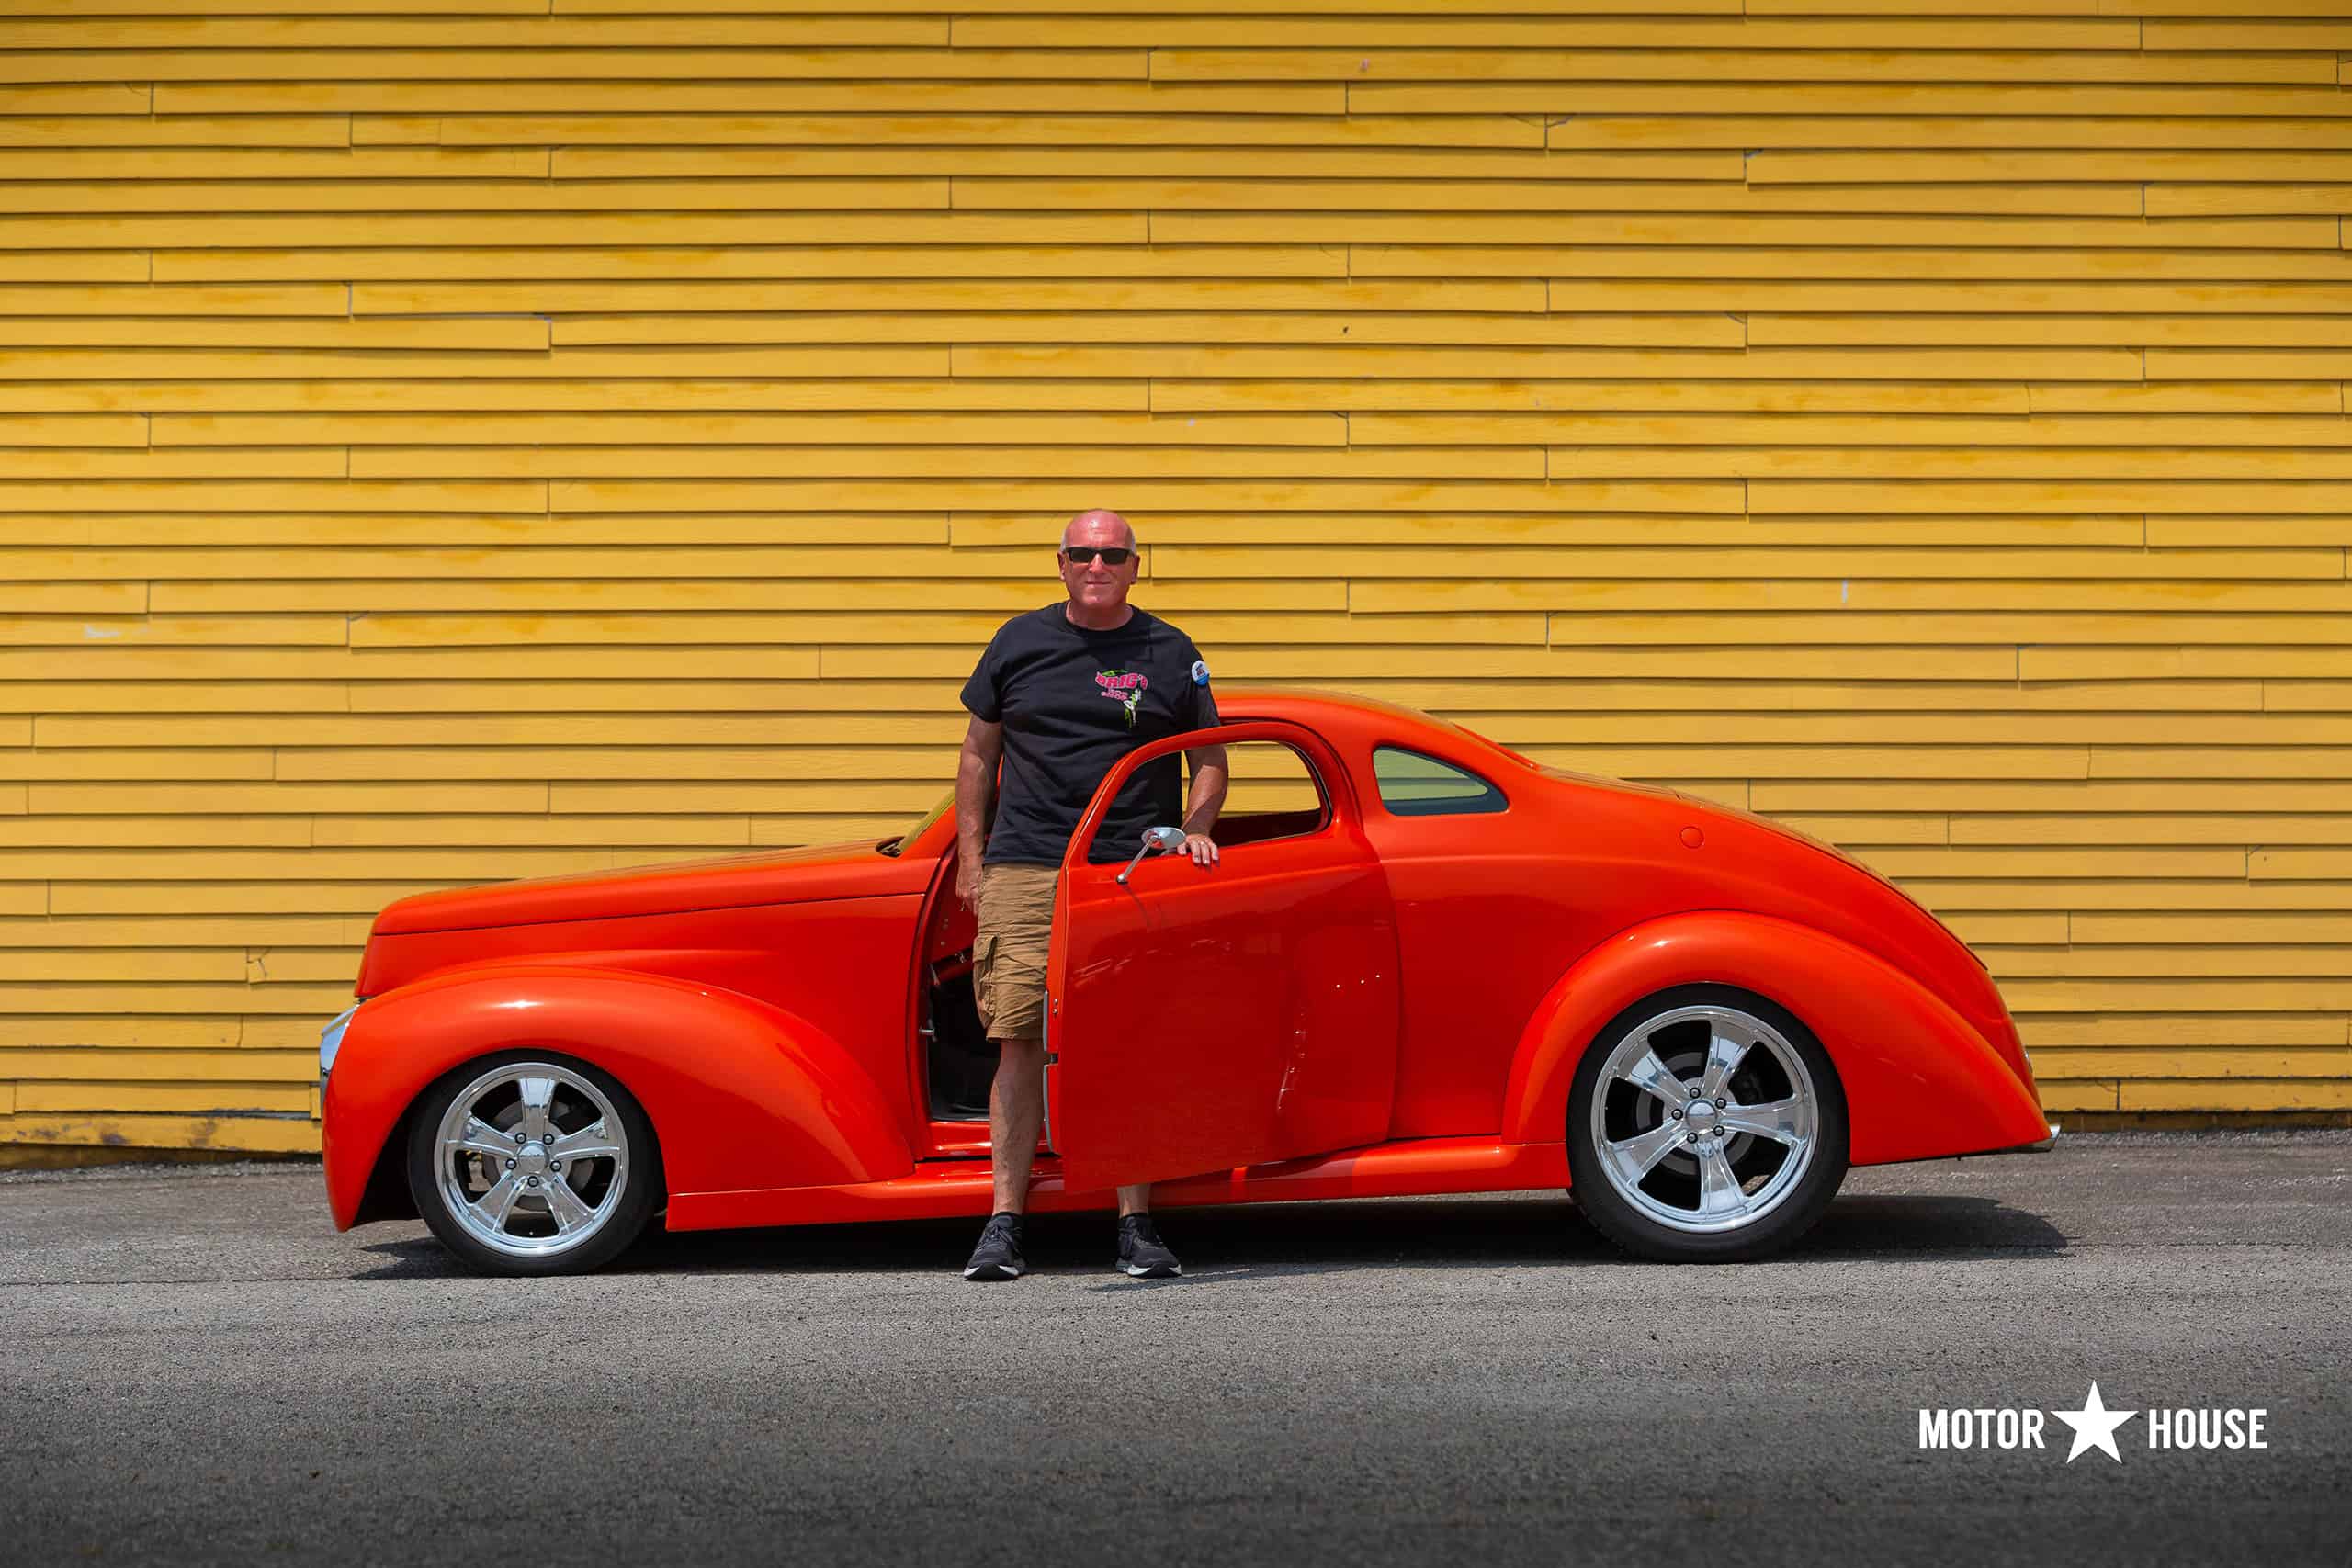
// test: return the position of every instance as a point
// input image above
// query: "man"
(1061, 695)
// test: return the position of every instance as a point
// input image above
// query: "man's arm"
(1210, 772)
(975, 794)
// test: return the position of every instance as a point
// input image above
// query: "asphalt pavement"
(195, 1368)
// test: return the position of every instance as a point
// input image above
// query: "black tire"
(619, 1222)
(1788, 1204)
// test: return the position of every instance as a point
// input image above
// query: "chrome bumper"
(331, 1039)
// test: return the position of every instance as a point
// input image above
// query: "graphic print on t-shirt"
(1125, 687)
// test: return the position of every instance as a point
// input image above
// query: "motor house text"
(1999, 1427)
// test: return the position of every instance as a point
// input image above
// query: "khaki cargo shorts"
(1016, 918)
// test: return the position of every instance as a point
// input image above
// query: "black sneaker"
(1142, 1255)
(999, 1255)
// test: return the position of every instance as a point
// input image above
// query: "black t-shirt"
(1072, 703)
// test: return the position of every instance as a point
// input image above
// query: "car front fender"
(1920, 1081)
(741, 1094)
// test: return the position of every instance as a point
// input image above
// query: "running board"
(949, 1189)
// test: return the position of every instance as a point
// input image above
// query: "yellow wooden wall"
(511, 437)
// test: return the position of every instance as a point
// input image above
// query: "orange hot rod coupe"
(1434, 967)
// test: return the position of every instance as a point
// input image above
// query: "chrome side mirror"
(1156, 841)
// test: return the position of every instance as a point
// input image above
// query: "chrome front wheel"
(532, 1164)
(1705, 1123)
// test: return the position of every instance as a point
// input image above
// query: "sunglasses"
(1083, 555)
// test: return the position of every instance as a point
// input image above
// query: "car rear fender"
(1920, 1080)
(741, 1094)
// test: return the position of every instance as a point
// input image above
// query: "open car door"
(1205, 1018)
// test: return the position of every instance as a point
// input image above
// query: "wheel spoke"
(1782, 1121)
(1635, 1157)
(1725, 1052)
(538, 1094)
(499, 1203)
(481, 1138)
(565, 1205)
(589, 1143)
(1719, 1192)
(1649, 1074)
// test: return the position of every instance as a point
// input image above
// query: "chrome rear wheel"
(1706, 1118)
(1705, 1123)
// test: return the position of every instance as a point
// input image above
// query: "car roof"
(1318, 708)
(1345, 715)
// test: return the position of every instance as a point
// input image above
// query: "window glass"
(1414, 785)
(1272, 794)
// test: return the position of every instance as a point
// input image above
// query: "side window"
(1414, 785)
(1273, 794)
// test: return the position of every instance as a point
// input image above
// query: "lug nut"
(518, 1134)
(510, 1164)
(1675, 1113)
(1695, 1092)
(530, 1181)
(1722, 1105)
(555, 1165)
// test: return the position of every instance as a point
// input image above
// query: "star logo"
(2094, 1427)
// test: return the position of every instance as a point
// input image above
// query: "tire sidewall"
(637, 1205)
(1638, 1234)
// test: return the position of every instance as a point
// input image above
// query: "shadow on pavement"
(1266, 1241)
(1898, 1229)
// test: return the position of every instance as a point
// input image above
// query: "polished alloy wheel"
(532, 1159)
(1705, 1118)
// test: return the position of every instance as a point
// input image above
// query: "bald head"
(1098, 583)
(1099, 526)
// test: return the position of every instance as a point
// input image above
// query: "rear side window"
(1412, 785)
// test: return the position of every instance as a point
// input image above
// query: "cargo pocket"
(983, 971)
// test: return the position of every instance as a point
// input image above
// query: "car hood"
(858, 870)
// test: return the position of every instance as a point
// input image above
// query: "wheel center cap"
(1701, 1116)
(532, 1160)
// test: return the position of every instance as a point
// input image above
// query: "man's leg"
(1014, 1111)
(1015, 916)
(1016, 1107)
